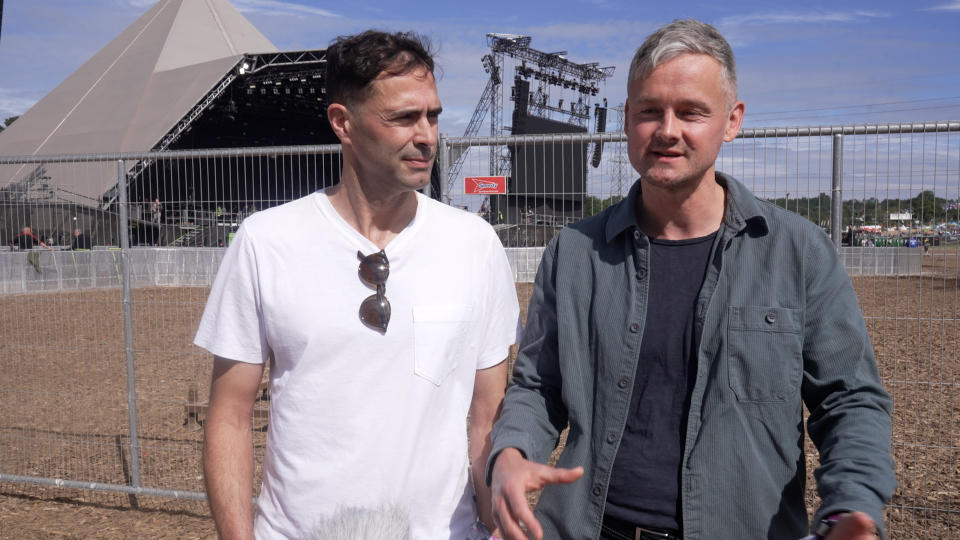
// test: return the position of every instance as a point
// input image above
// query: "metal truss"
(250, 64)
(552, 68)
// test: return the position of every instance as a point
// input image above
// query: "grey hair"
(686, 36)
(353, 523)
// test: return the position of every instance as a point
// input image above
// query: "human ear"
(734, 121)
(339, 118)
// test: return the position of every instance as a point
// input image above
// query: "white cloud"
(274, 7)
(953, 6)
(269, 7)
(12, 104)
(141, 4)
(814, 17)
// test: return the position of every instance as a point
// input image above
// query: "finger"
(854, 526)
(520, 510)
(503, 517)
(554, 475)
(506, 521)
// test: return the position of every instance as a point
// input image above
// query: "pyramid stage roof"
(187, 74)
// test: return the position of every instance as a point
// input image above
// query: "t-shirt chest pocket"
(765, 348)
(439, 336)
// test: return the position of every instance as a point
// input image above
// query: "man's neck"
(378, 217)
(681, 214)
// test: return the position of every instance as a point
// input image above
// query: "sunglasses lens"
(374, 268)
(375, 312)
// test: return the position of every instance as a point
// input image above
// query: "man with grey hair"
(679, 334)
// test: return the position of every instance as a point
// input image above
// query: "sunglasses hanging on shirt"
(374, 271)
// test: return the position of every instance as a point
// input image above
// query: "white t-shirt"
(359, 418)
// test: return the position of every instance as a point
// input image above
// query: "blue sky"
(810, 63)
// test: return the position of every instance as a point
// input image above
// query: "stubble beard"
(672, 179)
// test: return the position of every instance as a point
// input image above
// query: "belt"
(617, 529)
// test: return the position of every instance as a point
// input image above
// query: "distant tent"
(129, 95)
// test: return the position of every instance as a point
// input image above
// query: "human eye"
(646, 112)
(405, 118)
(692, 113)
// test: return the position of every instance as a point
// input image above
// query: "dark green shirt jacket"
(781, 327)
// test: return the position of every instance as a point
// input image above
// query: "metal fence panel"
(71, 332)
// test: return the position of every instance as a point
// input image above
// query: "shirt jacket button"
(611, 437)
(623, 383)
(597, 490)
(641, 273)
(634, 327)
(770, 317)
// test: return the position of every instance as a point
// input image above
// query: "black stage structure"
(546, 182)
(275, 99)
(264, 100)
(267, 100)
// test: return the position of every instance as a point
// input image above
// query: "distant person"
(680, 333)
(156, 210)
(27, 240)
(385, 316)
(80, 240)
(189, 210)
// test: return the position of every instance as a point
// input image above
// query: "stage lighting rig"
(550, 70)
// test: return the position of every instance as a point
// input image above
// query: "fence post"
(128, 325)
(443, 161)
(836, 195)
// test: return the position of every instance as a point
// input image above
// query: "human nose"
(425, 133)
(669, 127)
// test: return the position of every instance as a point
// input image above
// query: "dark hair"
(353, 62)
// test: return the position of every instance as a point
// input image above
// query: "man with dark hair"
(355, 61)
(374, 370)
(680, 333)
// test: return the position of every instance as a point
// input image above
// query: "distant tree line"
(7, 122)
(594, 205)
(926, 208)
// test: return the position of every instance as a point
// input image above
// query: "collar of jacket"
(743, 212)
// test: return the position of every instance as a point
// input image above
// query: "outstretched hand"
(513, 477)
(854, 526)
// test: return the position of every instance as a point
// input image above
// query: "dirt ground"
(65, 412)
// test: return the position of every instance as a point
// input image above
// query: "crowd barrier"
(184, 267)
(102, 268)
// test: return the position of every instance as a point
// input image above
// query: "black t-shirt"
(645, 482)
(25, 241)
(81, 241)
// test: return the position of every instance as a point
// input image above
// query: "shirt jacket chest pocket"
(440, 339)
(764, 353)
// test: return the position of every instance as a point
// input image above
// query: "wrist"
(504, 455)
(509, 453)
(826, 524)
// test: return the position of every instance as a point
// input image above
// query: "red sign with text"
(485, 185)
